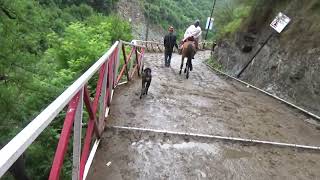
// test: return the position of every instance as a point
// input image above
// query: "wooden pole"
(245, 67)
(125, 61)
(137, 61)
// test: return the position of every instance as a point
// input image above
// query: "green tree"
(44, 47)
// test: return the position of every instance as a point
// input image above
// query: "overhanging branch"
(9, 14)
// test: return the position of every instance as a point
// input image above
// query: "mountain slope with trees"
(44, 47)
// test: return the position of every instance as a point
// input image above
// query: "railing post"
(159, 48)
(64, 138)
(125, 61)
(110, 81)
(77, 138)
(99, 89)
(117, 63)
(141, 60)
(93, 123)
(137, 61)
(102, 99)
(129, 60)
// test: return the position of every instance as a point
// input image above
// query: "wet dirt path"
(208, 104)
(128, 155)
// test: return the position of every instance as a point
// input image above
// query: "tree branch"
(8, 13)
(3, 77)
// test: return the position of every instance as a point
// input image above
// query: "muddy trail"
(205, 103)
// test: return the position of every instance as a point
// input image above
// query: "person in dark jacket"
(170, 41)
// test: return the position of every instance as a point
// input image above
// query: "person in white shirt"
(193, 32)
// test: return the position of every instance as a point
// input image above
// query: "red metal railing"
(105, 86)
(75, 96)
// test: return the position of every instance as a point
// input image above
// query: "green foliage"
(229, 16)
(44, 47)
(79, 12)
(214, 63)
(181, 14)
(102, 6)
(117, 28)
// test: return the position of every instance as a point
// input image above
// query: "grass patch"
(212, 62)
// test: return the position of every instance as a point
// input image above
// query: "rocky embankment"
(289, 64)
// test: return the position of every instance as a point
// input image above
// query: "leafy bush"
(44, 46)
(214, 63)
(229, 16)
(180, 14)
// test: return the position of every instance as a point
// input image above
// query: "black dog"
(146, 81)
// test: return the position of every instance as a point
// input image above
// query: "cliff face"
(289, 64)
(131, 10)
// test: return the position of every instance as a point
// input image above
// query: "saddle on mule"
(191, 38)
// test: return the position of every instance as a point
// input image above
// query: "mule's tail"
(190, 52)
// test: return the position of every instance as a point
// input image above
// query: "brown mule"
(188, 51)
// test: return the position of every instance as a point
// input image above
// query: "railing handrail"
(159, 43)
(12, 151)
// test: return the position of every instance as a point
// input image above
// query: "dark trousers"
(167, 58)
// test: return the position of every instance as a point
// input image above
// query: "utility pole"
(255, 54)
(214, 3)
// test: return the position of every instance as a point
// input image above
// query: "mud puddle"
(145, 155)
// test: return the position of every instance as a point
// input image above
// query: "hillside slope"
(289, 64)
(161, 14)
(132, 10)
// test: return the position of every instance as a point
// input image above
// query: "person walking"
(169, 42)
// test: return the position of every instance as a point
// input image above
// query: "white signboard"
(280, 22)
(211, 23)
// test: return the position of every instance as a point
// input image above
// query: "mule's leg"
(187, 66)
(182, 59)
(189, 61)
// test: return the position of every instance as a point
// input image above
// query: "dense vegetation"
(44, 46)
(167, 12)
(228, 14)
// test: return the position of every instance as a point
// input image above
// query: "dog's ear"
(147, 70)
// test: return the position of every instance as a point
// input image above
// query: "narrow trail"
(207, 104)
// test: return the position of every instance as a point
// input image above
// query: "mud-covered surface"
(207, 104)
(127, 155)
